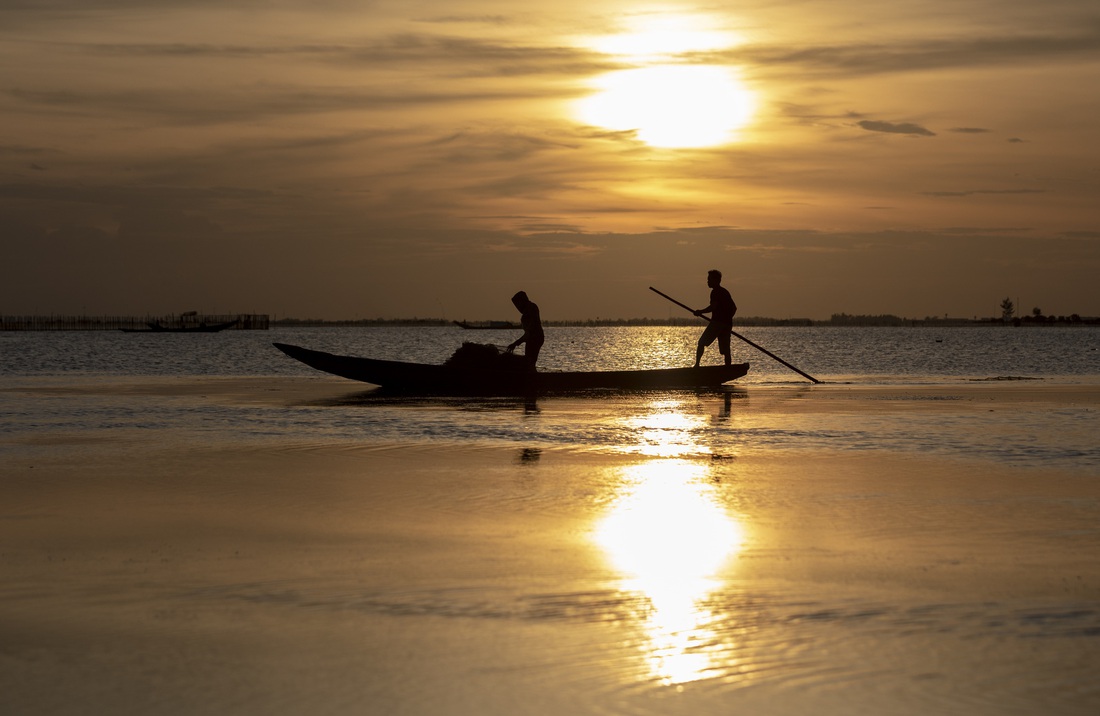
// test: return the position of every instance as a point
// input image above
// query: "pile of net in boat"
(479, 356)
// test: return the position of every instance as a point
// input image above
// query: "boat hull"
(406, 377)
(200, 328)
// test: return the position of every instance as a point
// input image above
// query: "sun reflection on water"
(665, 430)
(669, 536)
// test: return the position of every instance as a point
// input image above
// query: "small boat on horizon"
(157, 327)
(487, 325)
(507, 376)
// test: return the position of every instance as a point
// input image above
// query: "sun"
(666, 98)
(671, 106)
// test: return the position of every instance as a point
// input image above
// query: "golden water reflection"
(666, 430)
(668, 535)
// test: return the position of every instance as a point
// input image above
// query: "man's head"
(520, 300)
(714, 278)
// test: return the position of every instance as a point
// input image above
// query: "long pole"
(746, 340)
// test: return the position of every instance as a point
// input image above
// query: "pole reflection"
(668, 535)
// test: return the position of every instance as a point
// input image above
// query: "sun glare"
(667, 101)
(669, 537)
(672, 106)
(653, 36)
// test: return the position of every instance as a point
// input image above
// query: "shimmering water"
(102, 381)
(192, 521)
(863, 355)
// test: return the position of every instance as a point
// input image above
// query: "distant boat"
(487, 325)
(506, 376)
(156, 327)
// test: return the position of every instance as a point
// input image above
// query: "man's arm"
(514, 344)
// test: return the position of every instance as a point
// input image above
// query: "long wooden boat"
(399, 376)
(185, 328)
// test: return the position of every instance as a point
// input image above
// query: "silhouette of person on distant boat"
(532, 328)
(721, 310)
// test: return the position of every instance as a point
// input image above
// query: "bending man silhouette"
(722, 308)
(532, 328)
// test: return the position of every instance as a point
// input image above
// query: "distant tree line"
(1008, 317)
(684, 321)
(843, 319)
(601, 322)
(356, 322)
(886, 319)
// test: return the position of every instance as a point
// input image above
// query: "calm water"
(834, 571)
(83, 382)
(863, 355)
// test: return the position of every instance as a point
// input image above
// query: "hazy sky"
(345, 159)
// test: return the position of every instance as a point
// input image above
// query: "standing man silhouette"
(532, 328)
(722, 308)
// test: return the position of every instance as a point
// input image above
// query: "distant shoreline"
(836, 321)
(263, 321)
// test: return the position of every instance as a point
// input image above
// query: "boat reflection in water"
(669, 536)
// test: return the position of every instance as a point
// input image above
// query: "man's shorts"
(720, 332)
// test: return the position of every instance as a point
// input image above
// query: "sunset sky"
(342, 159)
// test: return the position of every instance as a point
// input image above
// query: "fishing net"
(480, 356)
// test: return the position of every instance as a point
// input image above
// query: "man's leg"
(704, 340)
(531, 352)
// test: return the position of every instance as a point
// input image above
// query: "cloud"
(930, 54)
(453, 56)
(972, 192)
(450, 56)
(120, 195)
(150, 224)
(508, 146)
(470, 19)
(982, 230)
(19, 150)
(212, 106)
(766, 249)
(288, 126)
(574, 274)
(556, 228)
(891, 128)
